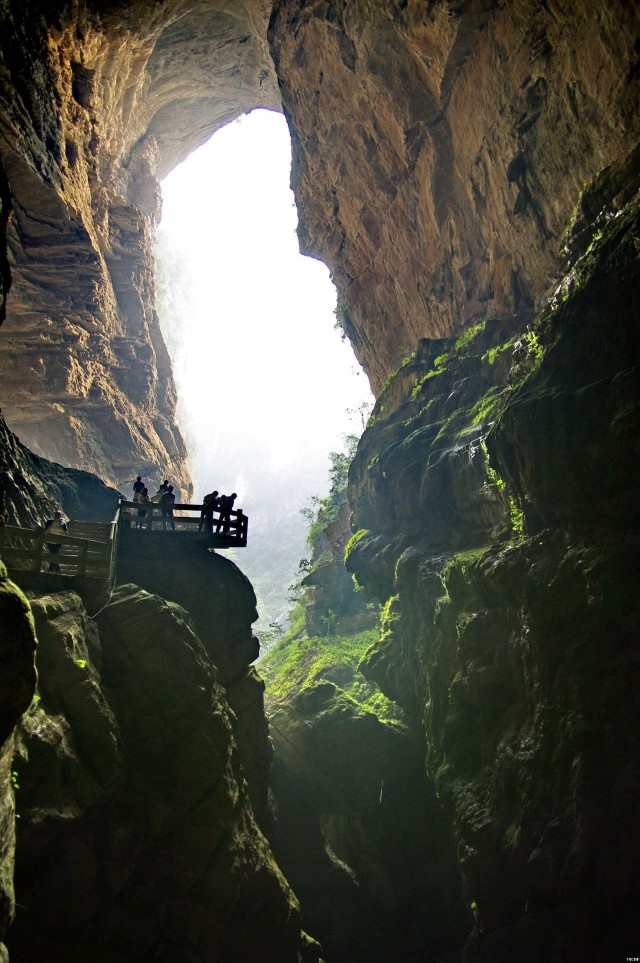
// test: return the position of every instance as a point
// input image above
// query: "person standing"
(209, 505)
(226, 507)
(167, 502)
(138, 485)
(55, 526)
(143, 502)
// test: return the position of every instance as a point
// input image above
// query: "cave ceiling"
(438, 151)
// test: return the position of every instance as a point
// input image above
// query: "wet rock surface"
(358, 832)
(17, 686)
(504, 460)
(137, 838)
(440, 151)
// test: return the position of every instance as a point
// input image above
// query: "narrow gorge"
(439, 762)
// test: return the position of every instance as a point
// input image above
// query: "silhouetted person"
(226, 506)
(55, 526)
(164, 487)
(143, 501)
(166, 504)
(138, 485)
(209, 505)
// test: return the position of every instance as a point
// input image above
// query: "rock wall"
(439, 149)
(494, 498)
(95, 105)
(136, 837)
(222, 604)
(17, 686)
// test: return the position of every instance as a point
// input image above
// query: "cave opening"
(267, 384)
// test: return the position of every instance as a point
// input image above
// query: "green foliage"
(353, 541)
(15, 779)
(493, 353)
(516, 515)
(295, 663)
(81, 663)
(323, 511)
(342, 319)
(469, 335)
(270, 635)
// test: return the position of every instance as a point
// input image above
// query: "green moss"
(495, 480)
(353, 541)
(297, 664)
(493, 353)
(468, 336)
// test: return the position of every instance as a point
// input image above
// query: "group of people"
(164, 497)
(223, 504)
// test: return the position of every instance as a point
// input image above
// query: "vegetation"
(323, 511)
(296, 660)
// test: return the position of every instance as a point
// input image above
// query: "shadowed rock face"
(137, 840)
(494, 495)
(17, 685)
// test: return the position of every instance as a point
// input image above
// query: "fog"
(266, 386)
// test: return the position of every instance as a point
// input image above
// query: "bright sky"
(257, 358)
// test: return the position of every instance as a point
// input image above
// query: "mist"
(266, 385)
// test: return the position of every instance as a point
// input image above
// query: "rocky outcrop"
(439, 150)
(358, 833)
(494, 501)
(222, 604)
(137, 838)
(17, 686)
(94, 107)
(332, 603)
(33, 488)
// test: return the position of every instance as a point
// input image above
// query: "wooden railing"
(232, 531)
(29, 550)
(89, 549)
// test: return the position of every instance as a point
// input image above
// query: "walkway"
(88, 553)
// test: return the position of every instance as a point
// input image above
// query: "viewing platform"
(88, 553)
(187, 519)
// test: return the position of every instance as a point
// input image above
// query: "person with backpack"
(55, 526)
(210, 503)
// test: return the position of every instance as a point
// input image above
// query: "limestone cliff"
(95, 104)
(17, 686)
(439, 149)
(496, 510)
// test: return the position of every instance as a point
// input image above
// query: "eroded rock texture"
(494, 494)
(95, 105)
(17, 686)
(137, 838)
(222, 604)
(359, 833)
(439, 149)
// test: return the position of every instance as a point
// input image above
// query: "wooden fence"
(88, 550)
(33, 550)
(233, 530)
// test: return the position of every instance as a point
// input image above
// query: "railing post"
(82, 568)
(37, 564)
